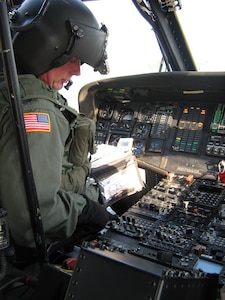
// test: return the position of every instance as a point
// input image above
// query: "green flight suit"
(58, 181)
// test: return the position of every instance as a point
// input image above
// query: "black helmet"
(48, 33)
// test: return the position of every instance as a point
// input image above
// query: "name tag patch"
(37, 122)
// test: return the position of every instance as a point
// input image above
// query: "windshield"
(132, 45)
(203, 23)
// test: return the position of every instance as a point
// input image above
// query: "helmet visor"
(88, 44)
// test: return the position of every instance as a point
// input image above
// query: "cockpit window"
(203, 23)
(133, 47)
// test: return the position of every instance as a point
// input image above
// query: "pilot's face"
(58, 77)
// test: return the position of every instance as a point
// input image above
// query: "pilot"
(51, 39)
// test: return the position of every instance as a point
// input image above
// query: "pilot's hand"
(94, 213)
(93, 219)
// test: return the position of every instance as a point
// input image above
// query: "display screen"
(208, 266)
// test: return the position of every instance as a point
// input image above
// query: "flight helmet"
(49, 33)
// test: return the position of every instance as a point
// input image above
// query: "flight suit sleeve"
(76, 164)
(74, 177)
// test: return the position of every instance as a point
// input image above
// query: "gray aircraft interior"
(169, 239)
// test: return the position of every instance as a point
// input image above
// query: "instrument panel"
(176, 120)
(147, 124)
(164, 131)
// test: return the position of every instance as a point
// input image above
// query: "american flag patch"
(37, 122)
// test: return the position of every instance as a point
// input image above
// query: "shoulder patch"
(37, 122)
